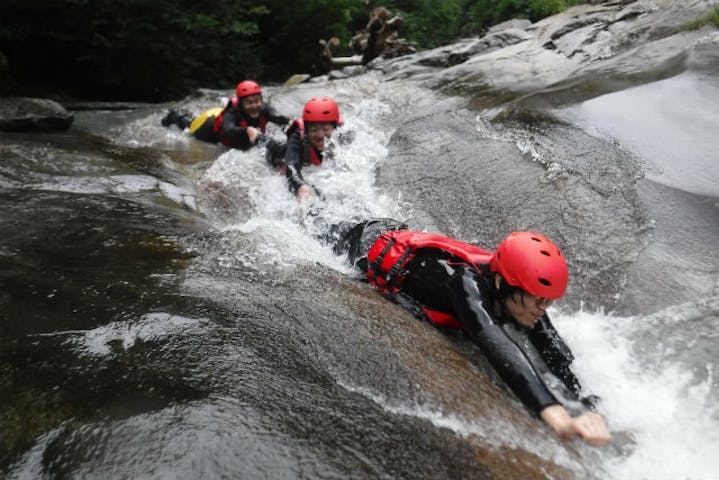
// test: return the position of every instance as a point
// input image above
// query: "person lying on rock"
(306, 142)
(241, 124)
(498, 299)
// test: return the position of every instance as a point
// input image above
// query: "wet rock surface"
(613, 44)
(22, 114)
(140, 321)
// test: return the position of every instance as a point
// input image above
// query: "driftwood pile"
(379, 39)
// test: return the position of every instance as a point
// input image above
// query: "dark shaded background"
(155, 50)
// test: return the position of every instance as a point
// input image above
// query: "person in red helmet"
(306, 141)
(499, 299)
(241, 124)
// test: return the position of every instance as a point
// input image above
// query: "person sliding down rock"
(498, 299)
(306, 142)
(241, 124)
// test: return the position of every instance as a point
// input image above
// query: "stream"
(169, 310)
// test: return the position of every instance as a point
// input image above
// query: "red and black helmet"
(248, 87)
(321, 109)
(532, 262)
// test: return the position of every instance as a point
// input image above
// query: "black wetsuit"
(298, 153)
(533, 362)
(235, 136)
(232, 133)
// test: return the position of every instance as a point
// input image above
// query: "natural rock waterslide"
(521, 73)
(21, 114)
(170, 312)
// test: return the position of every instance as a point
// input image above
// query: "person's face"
(317, 133)
(252, 105)
(526, 309)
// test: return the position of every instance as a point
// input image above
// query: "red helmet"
(248, 87)
(532, 262)
(321, 109)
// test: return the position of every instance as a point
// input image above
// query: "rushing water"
(659, 368)
(168, 310)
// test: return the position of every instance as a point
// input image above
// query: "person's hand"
(252, 134)
(589, 427)
(304, 192)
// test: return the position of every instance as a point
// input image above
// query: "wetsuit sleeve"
(503, 354)
(293, 162)
(231, 129)
(558, 357)
(272, 116)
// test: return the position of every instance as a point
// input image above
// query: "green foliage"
(432, 23)
(710, 19)
(539, 9)
(429, 22)
(290, 35)
(137, 48)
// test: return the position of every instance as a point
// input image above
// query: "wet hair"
(505, 290)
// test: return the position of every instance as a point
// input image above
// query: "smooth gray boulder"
(523, 67)
(589, 50)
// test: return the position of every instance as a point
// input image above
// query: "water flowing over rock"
(518, 77)
(168, 309)
(20, 113)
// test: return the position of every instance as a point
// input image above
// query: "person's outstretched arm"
(503, 354)
(513, 366)
(293, 166)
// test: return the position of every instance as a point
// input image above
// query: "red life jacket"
(217, 126)
(309, 154)
(393, 250)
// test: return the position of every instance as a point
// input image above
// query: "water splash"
(99, 341)
(287, 232)
(653, 386)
